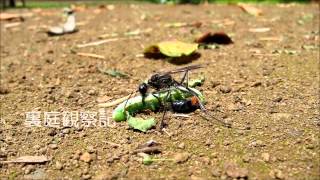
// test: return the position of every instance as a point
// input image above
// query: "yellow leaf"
(177, 48)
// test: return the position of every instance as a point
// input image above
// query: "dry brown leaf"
(210, 38)
(250, 9)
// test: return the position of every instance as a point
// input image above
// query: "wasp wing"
(183, 69)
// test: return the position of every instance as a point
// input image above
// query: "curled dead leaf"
(214, 38)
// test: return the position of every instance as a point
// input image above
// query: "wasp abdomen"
(185, 106)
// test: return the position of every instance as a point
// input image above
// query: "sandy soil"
(266, 84)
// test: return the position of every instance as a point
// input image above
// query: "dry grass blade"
(91, 55)
(97, 43)
(14, 16)
(7, 16)
(270, 39)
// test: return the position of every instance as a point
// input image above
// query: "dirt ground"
(266, 84)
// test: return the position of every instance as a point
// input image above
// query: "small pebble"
(86, 157)
(217, 130)
(216, 173)
(235, 172)
(107, 174)
(215, 84)
(277, 99)
(53, 146)
(91, 149)
(181, 157)
(52, 132)
(66, 131)
(277, 174)
(181, 146)
(37, 147)
(58, 165)
(246, 159)
(92, 92)
(29, 169)
(256, 84)
(257, 143)
(265, 157)
(86, 176)
(225, 89)
(70, 94)
(4, 90)
(208, 142)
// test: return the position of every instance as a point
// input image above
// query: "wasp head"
(143, 88)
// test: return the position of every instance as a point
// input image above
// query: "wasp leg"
(157, 97)
(125, 105)
(185, 75)
(165, 110)
(204, 110)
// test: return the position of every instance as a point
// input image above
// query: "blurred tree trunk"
(12, 3)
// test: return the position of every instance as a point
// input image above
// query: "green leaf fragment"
(141, 124)
(196, 82)
(114, 73)
(309, 47)
(147, 160)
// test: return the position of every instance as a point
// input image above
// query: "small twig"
(181, 115)
(11, 25)
(165, 130)
(155, 149)
(113, 103)
(112, 144)
(268, 55)
(91, 55)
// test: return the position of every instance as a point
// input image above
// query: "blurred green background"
(63, 3)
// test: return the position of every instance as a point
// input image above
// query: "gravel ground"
(266, 84)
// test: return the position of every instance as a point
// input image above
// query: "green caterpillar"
(135, 105)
